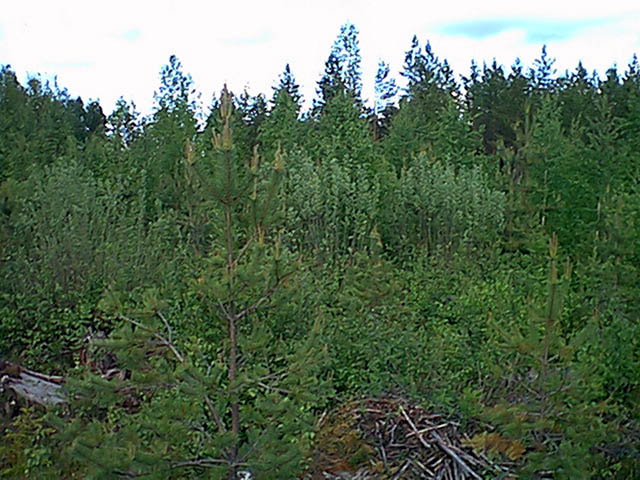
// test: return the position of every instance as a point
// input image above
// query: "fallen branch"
(453, 455)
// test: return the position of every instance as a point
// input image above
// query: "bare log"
(31, 386)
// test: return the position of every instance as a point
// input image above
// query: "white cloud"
(108, 49)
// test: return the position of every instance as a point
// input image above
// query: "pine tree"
(14, 117)
(577, 93)
(541, 74)
(547, 414)
(253, 110)
(496, 103)
(631, 87)
(243, 407)
(176, 93)
(427, 76)
(287, 83)
(123, 125)
(430, 94)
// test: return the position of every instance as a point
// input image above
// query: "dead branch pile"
(387, 438)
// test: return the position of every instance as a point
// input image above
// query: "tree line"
(473, 243)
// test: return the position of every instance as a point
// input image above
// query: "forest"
(257, 291)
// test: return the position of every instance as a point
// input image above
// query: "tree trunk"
(31, 386)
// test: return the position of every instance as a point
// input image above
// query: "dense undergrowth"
(476, 253)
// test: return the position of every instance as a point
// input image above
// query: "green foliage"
(385, 91)
(281, 129)
(342, 133)
(395, 249)
(173, 122)
(40, 123)
(29, 451)
(123, 124)
(439, 209)
(71, 234)
(246, 403)
(495, 102)
(446, 137)
(548, 408)
(567, 184)
(342, 71)
(330, 209)
(577, 98)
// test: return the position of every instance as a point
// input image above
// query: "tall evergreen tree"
(287, 83)
(577, 93)
(253, 110)
(342, 72)
(282, 127)
(631, 87)
(496, 103)
(173, 121)
(426, 75)
(431, 94)
(385, 91)
(14, 118)
(541, 74)
(176, 93)
(124, 124)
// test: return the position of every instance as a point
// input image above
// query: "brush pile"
(387, 438)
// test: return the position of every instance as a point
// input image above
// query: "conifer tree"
(385, 91)
(631, 87)
(14, 117)
(123, 124)
(430, 94)
(496, 103)
(254, 113)
(426, 75)
(577, 93)
(176, 94)
(342, 133)
(287, 83)
(173, 121)
(282, 127)
(245, 406)
(541, 74)
(342, 72)
(547, 416)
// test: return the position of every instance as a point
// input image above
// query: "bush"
(439, 208)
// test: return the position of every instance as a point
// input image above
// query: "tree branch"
(163, 340)
(267, 294)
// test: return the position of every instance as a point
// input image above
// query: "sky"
(104, 50)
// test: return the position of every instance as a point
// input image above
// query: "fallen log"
(32, 386)
(46, 390)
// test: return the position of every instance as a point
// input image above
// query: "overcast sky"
(104, 50)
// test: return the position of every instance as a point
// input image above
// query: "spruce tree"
(577, 93)
(385, 91)
(541, 74)
(123, 124)
(281, 128)
(496, 103)
(173, 121)
(431, 94)
(343, 71)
